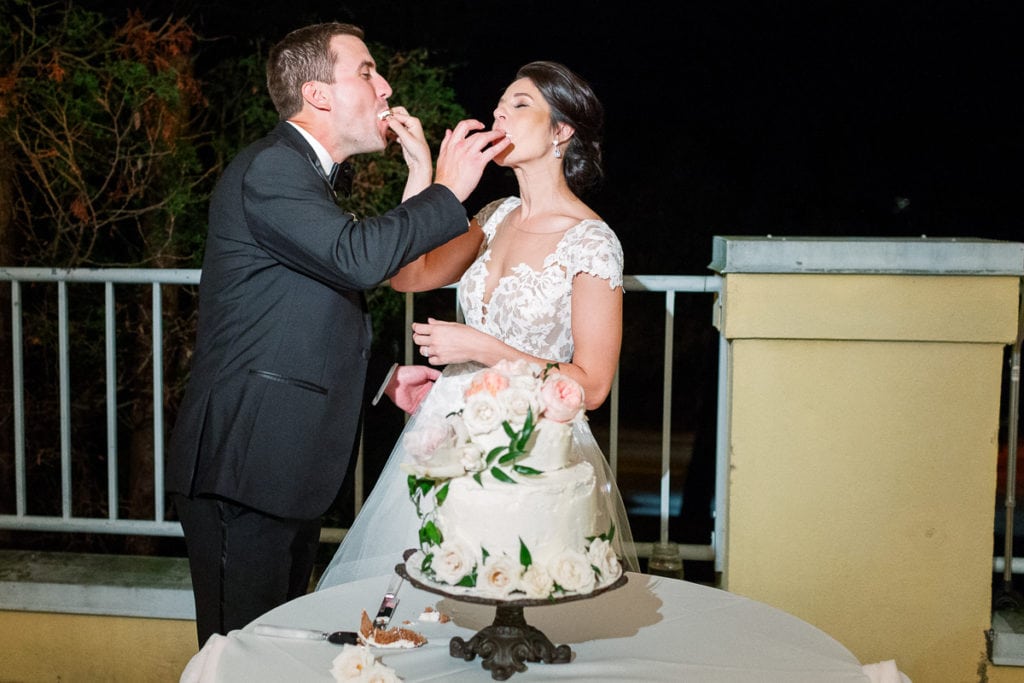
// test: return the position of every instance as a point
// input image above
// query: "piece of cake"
(394, 637)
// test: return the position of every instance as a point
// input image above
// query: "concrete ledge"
(81, 583)
(924, 255)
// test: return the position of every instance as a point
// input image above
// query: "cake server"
(337, 637)
(388, 604)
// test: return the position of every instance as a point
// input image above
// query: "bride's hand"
(443, 342)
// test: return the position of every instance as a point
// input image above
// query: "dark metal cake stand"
(509, 642)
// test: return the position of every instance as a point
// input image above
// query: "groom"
(268, 420)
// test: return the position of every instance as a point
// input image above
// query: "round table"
(651, 629)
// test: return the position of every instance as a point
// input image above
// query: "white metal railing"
(21, 520)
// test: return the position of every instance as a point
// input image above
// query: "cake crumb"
(431, 614)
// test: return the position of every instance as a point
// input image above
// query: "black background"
(733, 117)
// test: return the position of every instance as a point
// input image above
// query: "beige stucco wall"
(75, 648)
(863, 437)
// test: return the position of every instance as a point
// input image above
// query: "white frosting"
(550, 513)
(551, 447)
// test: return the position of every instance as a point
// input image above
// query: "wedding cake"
(507, 511)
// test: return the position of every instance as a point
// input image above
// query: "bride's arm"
(596, 329)
(441, 266)
(597, 336)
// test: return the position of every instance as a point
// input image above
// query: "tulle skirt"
(387, 524)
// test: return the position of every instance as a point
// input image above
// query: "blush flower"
(423, 442)
(490, 381)
(562, 397)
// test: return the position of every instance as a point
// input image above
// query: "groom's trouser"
(243, 562)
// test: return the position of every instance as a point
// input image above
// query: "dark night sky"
(742, 117)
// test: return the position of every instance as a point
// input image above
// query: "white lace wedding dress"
(531, 311)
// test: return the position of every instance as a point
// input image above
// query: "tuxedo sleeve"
(292, 216)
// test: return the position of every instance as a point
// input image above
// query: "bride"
(540, 279)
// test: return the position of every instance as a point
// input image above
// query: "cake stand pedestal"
(509, 642)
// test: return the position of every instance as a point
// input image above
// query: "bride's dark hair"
(572, 102)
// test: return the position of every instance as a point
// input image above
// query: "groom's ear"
(315, 93)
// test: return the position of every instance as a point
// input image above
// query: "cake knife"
(337, 637)
(389, 603)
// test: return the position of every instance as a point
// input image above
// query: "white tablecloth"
(651, 629)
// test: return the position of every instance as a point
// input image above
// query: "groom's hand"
(410, 384)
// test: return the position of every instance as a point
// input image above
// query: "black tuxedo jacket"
(272, 406)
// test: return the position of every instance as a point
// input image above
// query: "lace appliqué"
(532, 310)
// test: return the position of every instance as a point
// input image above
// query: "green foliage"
(98, 120)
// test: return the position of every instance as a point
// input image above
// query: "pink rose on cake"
(562, 397)
(439, 449)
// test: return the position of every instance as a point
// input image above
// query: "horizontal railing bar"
(94, 525)
(191, 276)
(137, 276)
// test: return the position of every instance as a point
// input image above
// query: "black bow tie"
(339, 178)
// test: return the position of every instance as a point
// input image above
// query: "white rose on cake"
(603, 557)
(452, 561)
(499, 576)
(483, 413)
(536, 583)
(572, 571)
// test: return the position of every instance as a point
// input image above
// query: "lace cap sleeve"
(484, 215)
(593, 248)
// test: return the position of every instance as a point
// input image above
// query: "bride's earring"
(558, 152)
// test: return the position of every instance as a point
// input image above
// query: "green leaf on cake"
(501, 476)
(442, 493)
(494, 453)
(430, 534)
(525, 558)
(523, 469)
(508, 457)
(478, 478)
